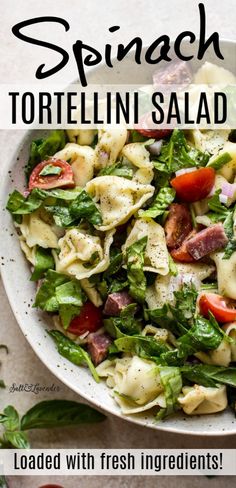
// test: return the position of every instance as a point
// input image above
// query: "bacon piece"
(177, 225)
(98, 347)
(116, 302)
(206, 241)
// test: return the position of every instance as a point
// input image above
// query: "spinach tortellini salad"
(131, 238)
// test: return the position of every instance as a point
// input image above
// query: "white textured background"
(89, 21)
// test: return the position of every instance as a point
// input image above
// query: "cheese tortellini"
(110, 142)
(81, 254)
(35, 231)
(82, 137)
(197, 399)
(226, 274)
(136, 383)
(117, 198)
(164, 287)
(137, 154)
(156, 255)
(82, 160)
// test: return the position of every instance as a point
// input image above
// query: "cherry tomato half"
(146, 122)
(47, 182)
(219, 306)
(89, 320)
(194, 186)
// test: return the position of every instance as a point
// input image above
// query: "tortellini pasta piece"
(136, 383)
(91, 292)
(118, 198)
(226, 273)
(230, 330)
(82, 160)
(219, 357)
(162, 291)
(37, 232)
(229, 169)
(28, 251)
(82, 254)
(138, 155)
(156, 258)
(213, 74)
(111, 140)
(82, 137)
(198, 400)
(210, 141)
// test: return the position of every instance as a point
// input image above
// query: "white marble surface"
(90, 21)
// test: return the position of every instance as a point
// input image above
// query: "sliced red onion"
(155, 148)
(228, 189)
(184, 171)
(26, 193)
(103, 156)
(223, 198)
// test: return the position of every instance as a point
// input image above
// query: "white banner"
(125, 462)
(148, 107)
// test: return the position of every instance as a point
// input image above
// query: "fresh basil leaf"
(116, 261)
(209, 375)
(73, 352)
(50, 169)
(59, 413)
(46, 295)
(204, 335)
(10, 418)
(185, 305)
(220, 161)
(171, 381)
(135, 273)
(61, 214)
(43, 261)
(177, 153)
(15, 200)
(229, 249)
(163, 199)
(17, 439)
(59, 293)
(19, 205)
(173, 270)
(117, 169)
(220, 212)
(41, 148)
(2, 384)
(126, 322)
(84, 207)
(143, 346)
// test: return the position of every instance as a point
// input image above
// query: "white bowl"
(21, 291)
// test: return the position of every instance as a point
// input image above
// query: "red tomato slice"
(194, 186)
(219, 306)
(64, 179)
(181, 254)
(146, 122)
(89, 320)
